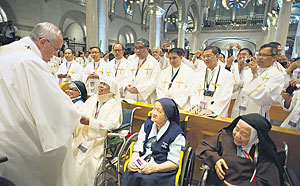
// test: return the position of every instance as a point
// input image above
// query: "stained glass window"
(128, 7)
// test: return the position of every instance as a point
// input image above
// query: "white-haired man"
(37, 118)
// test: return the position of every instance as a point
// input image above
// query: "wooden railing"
(200, 127)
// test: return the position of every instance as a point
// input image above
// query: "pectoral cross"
(179, 82)
(121, 70)
(165, 82)
(265, 77)
(216, 84)
(199, 90)
(101, 71)
(108, 73)
(147, 69)
(132, 70)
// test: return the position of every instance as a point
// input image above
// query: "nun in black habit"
(77, 93)
(159, 144)
(242, 154)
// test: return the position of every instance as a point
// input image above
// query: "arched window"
(3, 17)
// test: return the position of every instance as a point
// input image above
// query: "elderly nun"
(242, 154)
(158, 146)
(77, 93)
(102, 112)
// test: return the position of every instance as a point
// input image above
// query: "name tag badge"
(242, 108)
(84, 146)
(139, 162)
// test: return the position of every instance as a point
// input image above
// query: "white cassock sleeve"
(264, 92)
(146, 88)
(222, 94)
(51, 109)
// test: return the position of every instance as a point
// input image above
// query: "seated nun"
(242, 154)
(77, 93)
(158, 148)
(101, 113)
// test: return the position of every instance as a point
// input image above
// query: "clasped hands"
(220, 172)
(132, 89)
(146, 168)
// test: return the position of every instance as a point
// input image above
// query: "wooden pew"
(201, 127)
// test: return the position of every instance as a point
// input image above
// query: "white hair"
(44, 30)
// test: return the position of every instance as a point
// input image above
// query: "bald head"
(47, 38)
(156, 52)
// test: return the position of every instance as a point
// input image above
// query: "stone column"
(103, 24)
(152, 25)
(159, 14)
(296, 47)
(195, 46)
(181, 33)
(91, 27)
(283, 22)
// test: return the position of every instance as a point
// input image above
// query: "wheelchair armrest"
(126, 125)
(292, 177)
(3, 159)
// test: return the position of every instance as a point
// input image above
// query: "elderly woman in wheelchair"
(242, 154)
(157, 151)
(101, 113)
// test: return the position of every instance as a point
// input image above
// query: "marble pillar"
(91, 26)
(152, 25)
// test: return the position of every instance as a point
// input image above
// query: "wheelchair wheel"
(188, 168)
(109, 177)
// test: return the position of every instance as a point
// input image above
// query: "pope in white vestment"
(175, 81)
(104, 112)
(36, 117)
(261, 87)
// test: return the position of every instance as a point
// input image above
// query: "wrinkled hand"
(294, 65)
(132, 167)
(132, 89)
(286, 96)
(68, 76)
(238, 46)
(294, 82)
(231, 46)
(219, 170)
(149, 168)
(85, 120)
(228, 184)
(195, 110)
(93, 75)
(205, 112)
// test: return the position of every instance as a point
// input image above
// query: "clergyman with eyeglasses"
(262, 84)
(36, 117)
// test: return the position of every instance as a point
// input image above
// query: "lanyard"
(98, 109)
(116, 69)
(68, 69)
(139, 66)
(208, 83)
(171, 83)
(254, 159)
(97, 66)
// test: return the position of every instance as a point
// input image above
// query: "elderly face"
(103, 88)
(95, 54)
(264, 58)
(141, 50)
(158, 114)
(50, 47)
(73, 92)
(69, 56)
(241, 134)
(156, 52)
(210, 59)
(118, 51)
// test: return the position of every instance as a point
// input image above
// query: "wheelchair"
(108, 172)
(289, 176)
(185, 170)
(4, 181)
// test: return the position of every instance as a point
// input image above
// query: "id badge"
(203, 105)
(84, 146)
(139, 162)
(294, 118)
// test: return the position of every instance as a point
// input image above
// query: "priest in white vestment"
(94, 71)
(142, 75)
(260, 86)
(175, 81)
(116, 67)
(212, 86)
(102, 112)
(36, 117)
(69, 70)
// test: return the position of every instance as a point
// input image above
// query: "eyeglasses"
(56, 49)
(95, 52)
(264, 55)
(118, 50)
(139, 48)
(73, 89)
